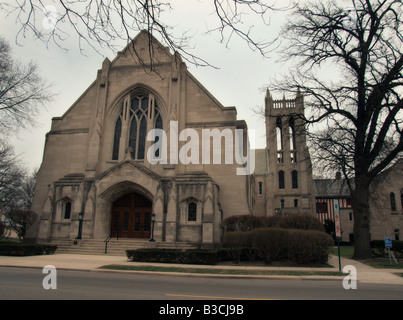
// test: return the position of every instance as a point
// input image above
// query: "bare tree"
(11, 178)
(22, 92)
(350, 70)
(21, 220)
(28, 190)
(113, 24)
(16, 192)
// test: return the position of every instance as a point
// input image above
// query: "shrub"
(271, 221)
(17, 249)
(300, 221)
(308, 246)
(239, 245)
(173, 256)
(242, 223)
(233, 241)
(270, 243)
(275, 244)
(378, 248)
(245, 223)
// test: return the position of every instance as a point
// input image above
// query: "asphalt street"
(27, 284)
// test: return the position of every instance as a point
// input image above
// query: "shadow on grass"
(221, 271)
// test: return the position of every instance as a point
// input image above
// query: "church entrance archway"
(131, 217)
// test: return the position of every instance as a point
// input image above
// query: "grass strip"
(221, 271)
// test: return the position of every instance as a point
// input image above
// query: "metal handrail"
(106, 243)
(109, 238)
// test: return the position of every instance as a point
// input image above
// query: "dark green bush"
(276, 244)
(270, 243)
(17, 249)
(242, 223)
(239, 245)
(271, 222)
(173, 256)
(300, 221)
(308, 246)
(233, 241)
(245, 223)
(201, 257)
(378, 248)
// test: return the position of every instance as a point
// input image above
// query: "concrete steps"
(114, 247)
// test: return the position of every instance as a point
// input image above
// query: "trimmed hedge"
(245, 223)
(378, 248)
(173, 256)
(270, 243)
(18, 249)
(242, 223)
(309, 246)
(276, 244)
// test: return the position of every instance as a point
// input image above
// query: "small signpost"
(388, 245)
(337, 227)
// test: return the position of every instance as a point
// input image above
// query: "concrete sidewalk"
(365, 274)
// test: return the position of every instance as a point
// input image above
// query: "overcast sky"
(240, 80)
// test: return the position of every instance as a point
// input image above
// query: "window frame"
(67, 209)
(392, 199)
(192, 211)
(139, 113)
(281, 179)
(260, 188)
(294, 179)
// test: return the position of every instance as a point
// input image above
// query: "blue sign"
(388, 243)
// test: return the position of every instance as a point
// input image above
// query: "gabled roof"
(395, 169)
(331, 188)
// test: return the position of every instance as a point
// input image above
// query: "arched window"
(392, 202)
(141, 139)
(116, 138)
(67, 210)
(158, 125)
(133, 137)
(260, 186)
(281, 180)
(137, 115)
(294, 178)
(293, 146)
(279, 138)
(138, 126)
(292, 134)
(279, 134)
(192, 211)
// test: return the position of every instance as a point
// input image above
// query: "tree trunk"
(360, 199)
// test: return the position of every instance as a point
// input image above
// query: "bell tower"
(290, 187)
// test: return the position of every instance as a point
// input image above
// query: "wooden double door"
(131, 217)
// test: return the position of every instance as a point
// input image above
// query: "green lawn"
(376, 262)
(221, 271)
(345, 251)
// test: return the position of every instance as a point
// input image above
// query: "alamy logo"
(234, 147)
(50, 281)
(350, 281)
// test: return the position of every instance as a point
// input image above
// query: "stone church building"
(97, 180)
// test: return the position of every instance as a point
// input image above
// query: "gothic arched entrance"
(131, 217)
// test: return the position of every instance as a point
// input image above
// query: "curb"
(198, 275)
(234, 276)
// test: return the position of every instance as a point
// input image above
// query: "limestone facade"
(283, 174)
(96, 158)
(386, 204)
